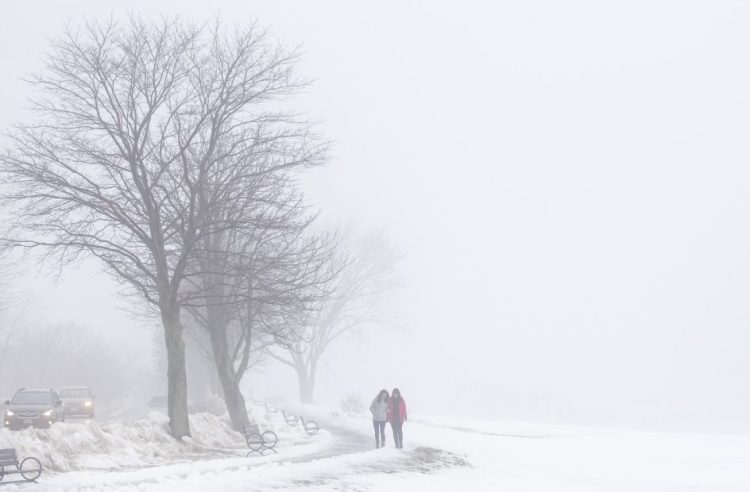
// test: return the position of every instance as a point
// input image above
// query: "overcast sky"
(569, 184)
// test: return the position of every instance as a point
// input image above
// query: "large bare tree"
(134, 122)
(361, 295)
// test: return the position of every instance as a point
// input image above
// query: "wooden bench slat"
(11, 466)
(8, 457)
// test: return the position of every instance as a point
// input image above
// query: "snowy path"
(446, 455)
(346, 457)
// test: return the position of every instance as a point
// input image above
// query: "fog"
(567, 184)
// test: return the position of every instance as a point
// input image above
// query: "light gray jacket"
(379, 410)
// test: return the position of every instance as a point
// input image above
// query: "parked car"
(33, 407)
(78, 401)
(158, 402)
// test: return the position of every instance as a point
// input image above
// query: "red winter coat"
(399, 412)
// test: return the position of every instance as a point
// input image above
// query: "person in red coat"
(397, 416)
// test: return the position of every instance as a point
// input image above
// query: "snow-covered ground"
(439, 455)
(535, 457)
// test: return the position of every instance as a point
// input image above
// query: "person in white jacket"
(379, 410)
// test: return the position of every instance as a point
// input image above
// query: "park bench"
(290, 418)
(260, 442)
(30, 468)
(270, 408)
(310, 426)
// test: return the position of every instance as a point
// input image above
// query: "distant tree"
(135, 121)
(11, 306)
(8, 331)
(67, 354)
(358, 298)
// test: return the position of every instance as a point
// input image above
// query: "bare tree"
(134, 121)
(358, 299)
(64, 354)
(11, 325)
(11, 305)
(254, 286)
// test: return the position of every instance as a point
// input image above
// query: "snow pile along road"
(87, 446)
(78, 446)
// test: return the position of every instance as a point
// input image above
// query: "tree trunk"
(236, 405)
(306, 383)
(176, 373)
(230, 384)
(215, 384)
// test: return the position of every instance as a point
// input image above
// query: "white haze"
(568, 181)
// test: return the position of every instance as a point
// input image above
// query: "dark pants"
(398, 433)
(379, 432)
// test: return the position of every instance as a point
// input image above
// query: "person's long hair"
(380, 396)
(396, 392)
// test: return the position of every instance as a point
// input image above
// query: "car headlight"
(9, 413)
(88, 403)
(48, 413)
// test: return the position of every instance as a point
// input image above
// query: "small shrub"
(352, 403)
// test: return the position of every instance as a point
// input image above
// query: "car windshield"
(75, 393)
(32, 398)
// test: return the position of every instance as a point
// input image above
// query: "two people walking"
(388, 408)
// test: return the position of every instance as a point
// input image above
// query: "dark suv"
(37, 407)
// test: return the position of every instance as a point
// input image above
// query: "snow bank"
(91, 446)
(75, 446)
(439, 455)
